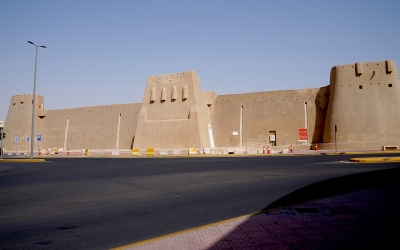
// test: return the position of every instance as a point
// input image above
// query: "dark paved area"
(366, 219)
(101, 203)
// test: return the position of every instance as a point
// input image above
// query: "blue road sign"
(16, 139)
(39, 138)
(28, 139)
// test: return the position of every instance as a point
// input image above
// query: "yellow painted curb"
(373, 152)
(376, 159)
(22, 160)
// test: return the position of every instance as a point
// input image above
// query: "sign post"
(28, 139)
(39, 139)
(303, 136)
(16, 144)
(1, 143)
(335, 138)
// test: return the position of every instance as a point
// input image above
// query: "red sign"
(303, 134)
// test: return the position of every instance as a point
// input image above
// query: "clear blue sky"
(101, 52)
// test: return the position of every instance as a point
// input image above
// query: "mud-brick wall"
(252, 117)
(98, 127)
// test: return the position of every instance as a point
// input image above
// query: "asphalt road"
(100, 203)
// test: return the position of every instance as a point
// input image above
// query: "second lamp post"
(34, 97)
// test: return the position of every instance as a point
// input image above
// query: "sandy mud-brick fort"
(360, 109)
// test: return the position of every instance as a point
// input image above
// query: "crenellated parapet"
(364, 105)
(175, 113)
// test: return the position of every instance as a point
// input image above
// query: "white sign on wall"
(235, 133)
(271, 137)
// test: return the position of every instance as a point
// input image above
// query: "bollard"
(291, 148)
(192, 151)
(68, 152)
(135, 151)
(264, 152)
(150, 152)
(269, 150)
(316, 147)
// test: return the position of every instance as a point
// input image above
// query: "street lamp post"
(307, 123)
(34, 97)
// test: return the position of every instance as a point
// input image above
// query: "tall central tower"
(175, 113)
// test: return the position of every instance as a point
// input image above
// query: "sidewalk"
(183, 153)
(367, 219)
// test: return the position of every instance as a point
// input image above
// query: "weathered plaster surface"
(362, 100)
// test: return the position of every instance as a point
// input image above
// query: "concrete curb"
(376, 159)
(373, 152)
(185, 153)
(22, 160)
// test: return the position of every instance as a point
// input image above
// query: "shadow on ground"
(358, 211)
(361, 213)
(337, 186)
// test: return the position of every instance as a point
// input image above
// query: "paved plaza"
(366, 219)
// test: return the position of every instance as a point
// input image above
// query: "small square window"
(390, 85)
(360, 86)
